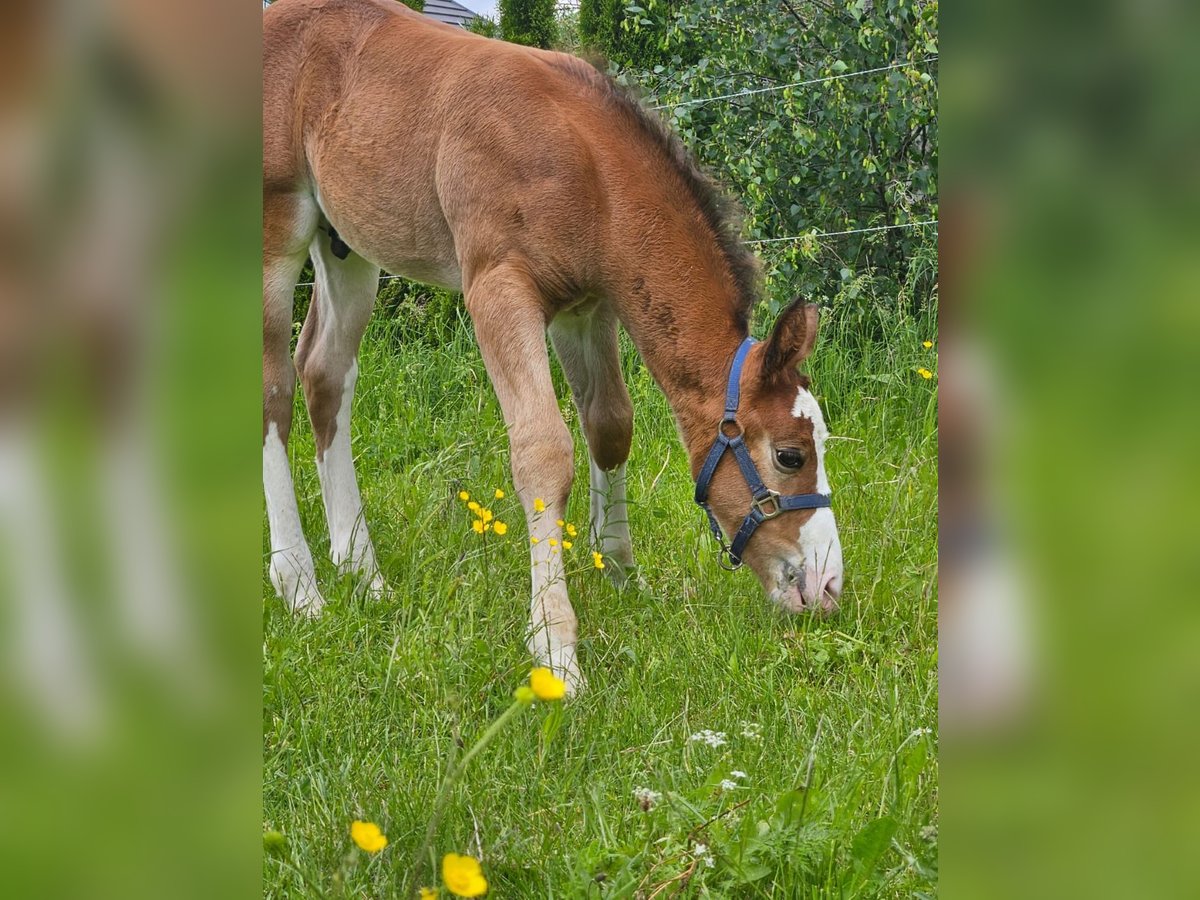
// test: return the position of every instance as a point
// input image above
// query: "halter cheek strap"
(764, 503)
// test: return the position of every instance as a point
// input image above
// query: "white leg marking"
(610, 514)
(49, 659)
(291, 560)
(553, 626)
(350, 544)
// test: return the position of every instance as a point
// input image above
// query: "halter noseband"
(764, 503)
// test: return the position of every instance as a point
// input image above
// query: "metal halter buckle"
(770, 497)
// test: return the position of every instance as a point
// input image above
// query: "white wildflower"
(919, 732)
(712, 738)
(738, 773)
(752, 730)
(727, 785)
(646, 798)
(701, 852)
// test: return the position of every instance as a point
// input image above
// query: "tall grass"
(826, 718)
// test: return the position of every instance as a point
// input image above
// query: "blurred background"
(130, 510)
(1070, 629)
(129, 487)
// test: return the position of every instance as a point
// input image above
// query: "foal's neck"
(685, 320)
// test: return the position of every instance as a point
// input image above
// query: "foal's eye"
(790, 458)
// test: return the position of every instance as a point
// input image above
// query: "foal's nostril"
(833, 586)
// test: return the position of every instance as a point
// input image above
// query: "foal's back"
(433, 151)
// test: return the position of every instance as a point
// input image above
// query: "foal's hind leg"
(287, 224)
(510, 326)
(586, 343)
(326, 355)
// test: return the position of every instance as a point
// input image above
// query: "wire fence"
(700, 101)
(808, 235)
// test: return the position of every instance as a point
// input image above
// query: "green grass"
(361, 705)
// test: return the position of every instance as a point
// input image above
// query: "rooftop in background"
(449, 12)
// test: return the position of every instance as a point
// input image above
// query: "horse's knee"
(543, 460)
(279, 389)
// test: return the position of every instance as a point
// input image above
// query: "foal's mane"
(721, 213)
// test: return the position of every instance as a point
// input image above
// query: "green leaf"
(871, 843)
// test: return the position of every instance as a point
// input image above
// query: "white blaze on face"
(819, 542)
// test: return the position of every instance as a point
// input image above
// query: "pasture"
(829, 755)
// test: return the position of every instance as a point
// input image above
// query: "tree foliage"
(620, 30)
(529, 22)
(847, 153)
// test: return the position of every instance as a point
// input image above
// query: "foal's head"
(797, 554)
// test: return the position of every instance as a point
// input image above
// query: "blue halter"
(764, 503)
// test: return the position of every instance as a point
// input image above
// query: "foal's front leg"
(511, 329)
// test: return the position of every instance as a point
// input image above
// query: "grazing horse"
(530, 182)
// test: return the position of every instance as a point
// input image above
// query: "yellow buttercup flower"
(478, 526)
(464, 496)
(462, 876)
(597, 559)
(473, 506)
(533, 540)
(553, 542)
(499, 494)
(559, 522)
(567, 545)
(500, 527)
(927, 344)
(486, 515)
(546, 685)
(539, 505)
(925, 373)
(368, 836)
(428, 894)
(571, 530)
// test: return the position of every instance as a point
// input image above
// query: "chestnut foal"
(528, 181)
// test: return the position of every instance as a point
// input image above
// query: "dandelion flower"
(925, 373)
(533, 540)
(499, 494)
(539, 505)
(567, 545)
(571, 530)
(546, 685)
(500, 527)
(927, 344)
(464, 496)
(473, 506)
(597, 559)
(559, 522)
(368, 836)
(478, 526)
(428, 894)
(462, 876)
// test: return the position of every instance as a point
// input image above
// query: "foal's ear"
(791, 339)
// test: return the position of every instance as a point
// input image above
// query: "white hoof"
(298, 591)
(564, 664)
